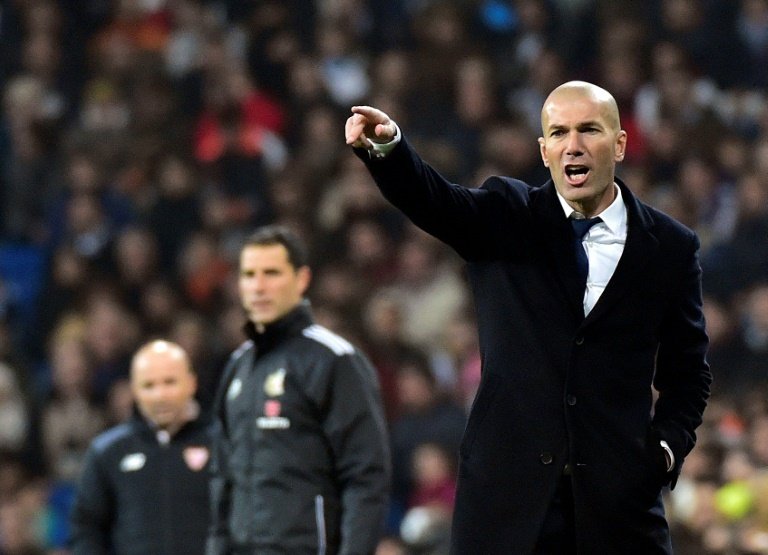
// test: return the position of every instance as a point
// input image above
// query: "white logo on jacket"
(133, 462)
(272, 419)
(274, 385)
(234, 389)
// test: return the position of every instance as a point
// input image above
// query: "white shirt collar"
(614, 217)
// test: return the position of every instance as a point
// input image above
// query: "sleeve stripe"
(242, 349)
(337, 344)
(108, 437)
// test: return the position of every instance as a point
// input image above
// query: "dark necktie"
(580, 228)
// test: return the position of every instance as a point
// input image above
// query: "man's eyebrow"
(590, 123)
(579, 125)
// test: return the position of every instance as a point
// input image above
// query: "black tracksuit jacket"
(141, 495)
(302, 461)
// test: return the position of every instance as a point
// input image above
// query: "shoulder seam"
(103, 441)
(240, 351)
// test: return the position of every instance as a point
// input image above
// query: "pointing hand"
(368, 125)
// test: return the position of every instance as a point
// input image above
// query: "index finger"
(373, 114)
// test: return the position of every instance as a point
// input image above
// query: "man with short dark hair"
(302, 460)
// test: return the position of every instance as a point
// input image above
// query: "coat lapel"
(639, 250)
(557, 235)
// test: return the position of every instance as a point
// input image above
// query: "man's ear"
(621, 146)
(304, 275)
(543, 152)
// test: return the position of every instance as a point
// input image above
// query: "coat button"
(579, 340)
(546, 457)
(570, 399)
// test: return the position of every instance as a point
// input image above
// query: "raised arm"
(479, 223)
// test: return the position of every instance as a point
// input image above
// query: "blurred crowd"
(142, 140)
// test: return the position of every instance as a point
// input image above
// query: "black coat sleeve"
(93, 509)
(682, 376)
(477, 222)
(354, 425)
(220, 485)
(218, 534)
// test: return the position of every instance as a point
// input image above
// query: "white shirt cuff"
(381, 150)
(665, 446)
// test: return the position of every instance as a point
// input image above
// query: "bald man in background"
(586, 299)
(144, 484)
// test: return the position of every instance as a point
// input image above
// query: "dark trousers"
(558, 534)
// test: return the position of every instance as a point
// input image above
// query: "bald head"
(581, 143)
(159, 352)
(163, 384)
(573, 91)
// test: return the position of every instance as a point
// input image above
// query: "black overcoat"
(558, 388)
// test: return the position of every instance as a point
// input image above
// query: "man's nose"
(257, 282)
(157, 393)
(574, 145)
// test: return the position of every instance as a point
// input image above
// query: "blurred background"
(142, 140)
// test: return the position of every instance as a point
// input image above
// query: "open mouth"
(576, 174)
